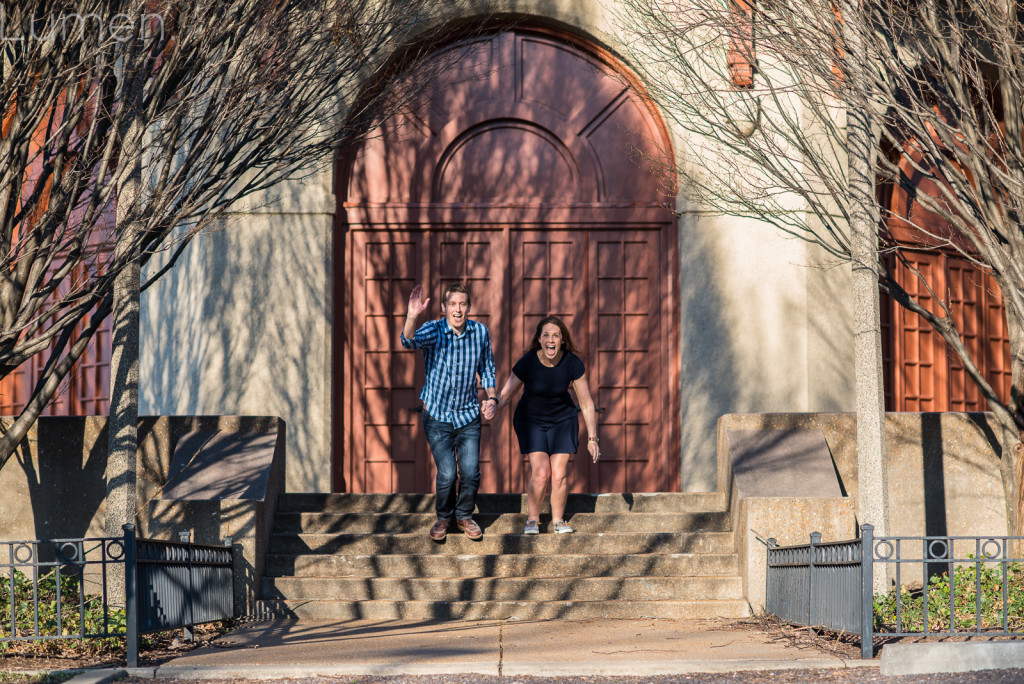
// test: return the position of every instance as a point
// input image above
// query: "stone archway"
(526, 172)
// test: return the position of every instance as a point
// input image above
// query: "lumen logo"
(75, 26)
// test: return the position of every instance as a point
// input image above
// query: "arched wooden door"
(518, 174)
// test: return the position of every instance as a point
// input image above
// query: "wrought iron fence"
(950, 591)
(111, 587)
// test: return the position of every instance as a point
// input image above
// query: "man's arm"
(486, 369)
(486, 373)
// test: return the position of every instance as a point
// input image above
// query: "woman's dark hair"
(566, 337)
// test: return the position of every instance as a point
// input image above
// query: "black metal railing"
(816, 584)
(831, 585)
(72, 588)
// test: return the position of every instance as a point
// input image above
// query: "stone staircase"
(348, 556)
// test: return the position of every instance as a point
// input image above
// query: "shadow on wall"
(761, 331)
(830, 335)
(708, 374)
(63, 463)
(238, 326)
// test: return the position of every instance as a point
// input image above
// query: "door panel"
(629, 370)
(548, 271)
(479, 259)
(386, 437)
(923, 373)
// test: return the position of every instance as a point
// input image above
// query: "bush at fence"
(71, 617)
(967, 585)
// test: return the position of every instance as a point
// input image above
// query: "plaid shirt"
(452, 363)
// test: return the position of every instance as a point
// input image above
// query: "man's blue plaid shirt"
(452, 363)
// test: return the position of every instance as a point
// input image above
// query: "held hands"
(488, 409)
(417, 305)
(594, 449)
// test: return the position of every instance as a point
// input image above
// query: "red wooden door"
(389, 452)
(923, 373)
(516, 173)
(606, 285)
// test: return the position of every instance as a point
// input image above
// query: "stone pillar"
(873, 497)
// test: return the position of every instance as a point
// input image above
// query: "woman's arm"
(589, 414)
(510, 390)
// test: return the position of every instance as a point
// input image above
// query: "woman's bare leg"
(559, 485)
(540, 474)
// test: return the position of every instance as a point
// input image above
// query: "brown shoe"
(440, 530)
(471, 529)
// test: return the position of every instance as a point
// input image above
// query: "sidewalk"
(271, 650)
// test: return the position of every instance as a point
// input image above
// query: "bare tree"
(944, 83)
(129, 126)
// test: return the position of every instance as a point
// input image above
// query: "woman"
(545, 420)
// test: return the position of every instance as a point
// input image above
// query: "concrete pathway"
(305, 648)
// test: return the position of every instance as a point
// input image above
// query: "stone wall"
(944, 479)
(55, 486)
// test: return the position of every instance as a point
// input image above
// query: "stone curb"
(901, 659)
(104, 676)
(324, 670)
(108, 675)
(537, 669)
(674, 667)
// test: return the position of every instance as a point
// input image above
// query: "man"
(456, 351)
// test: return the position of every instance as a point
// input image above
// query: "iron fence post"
(235, 561)
(185, 537)
(812, 580)
(867, 599)
(130, 605)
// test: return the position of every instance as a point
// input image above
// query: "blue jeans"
(449, 444)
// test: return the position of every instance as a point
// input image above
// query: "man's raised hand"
(417, 305)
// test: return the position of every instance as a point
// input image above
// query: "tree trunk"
(122, 426)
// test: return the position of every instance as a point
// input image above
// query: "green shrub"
(75, 606)
(969, 581)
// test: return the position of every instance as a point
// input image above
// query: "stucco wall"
(244, 322)
(943, 468)
(242, 325)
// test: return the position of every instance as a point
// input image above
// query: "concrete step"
(485, 610)
(532, 588)
(506, 523)
(693, 502)
(457, 543)
(504, 565)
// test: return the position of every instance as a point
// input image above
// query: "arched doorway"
(527, 173)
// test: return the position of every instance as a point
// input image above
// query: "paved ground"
(496, 647)
(829, 676)
(529, 652)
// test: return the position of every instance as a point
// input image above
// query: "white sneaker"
(532, 527)
(561, 527)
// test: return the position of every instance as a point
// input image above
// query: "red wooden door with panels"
(515, 175)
